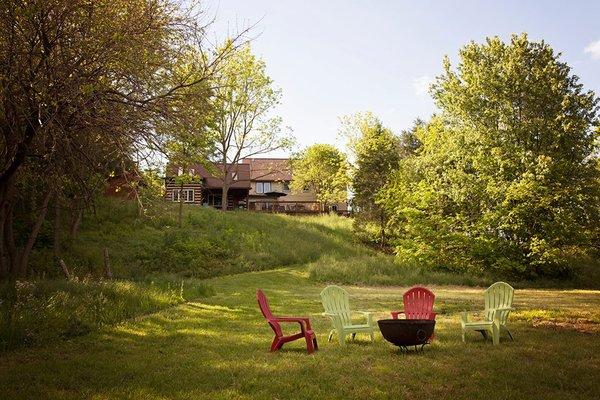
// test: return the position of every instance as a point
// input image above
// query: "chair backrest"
(418, 303)
(263, 304)
(499, 295)
(335, 301)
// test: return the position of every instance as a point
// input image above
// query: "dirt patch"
(579, 325)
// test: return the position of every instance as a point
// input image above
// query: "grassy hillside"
(158, 263)
(209, 242)
(212, 243)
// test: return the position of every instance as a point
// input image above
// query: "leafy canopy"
(324, 169)
(506, 177)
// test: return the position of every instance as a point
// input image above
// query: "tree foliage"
(376, 153)
(324, 169)
(506, 178)
(84, 87)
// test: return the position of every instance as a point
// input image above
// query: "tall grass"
(209, 242)
(34, 312)
(380, 269)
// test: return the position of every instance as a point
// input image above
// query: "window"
(188, 195)
(179, 171)
(234, 176)
(263, 187)
(333, 207)
(192, 171)
(286, 186)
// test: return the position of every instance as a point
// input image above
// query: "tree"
(323, 168)
(505, 178)
(409, 140)
(83, 84)
(243, 125)
(376, 153)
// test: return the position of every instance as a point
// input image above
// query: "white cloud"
(421, 85)
(593, 49)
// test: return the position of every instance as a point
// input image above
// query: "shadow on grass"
(218, 349)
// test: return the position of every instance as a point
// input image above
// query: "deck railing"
(292, 207)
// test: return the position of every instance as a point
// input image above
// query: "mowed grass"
(216, 348)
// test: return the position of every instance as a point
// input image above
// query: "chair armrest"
(293, 318)
(301, 320)
(368, 315)
(333, 317)
(396, 313)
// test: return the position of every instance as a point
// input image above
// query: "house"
(205, 187)
(258, 184)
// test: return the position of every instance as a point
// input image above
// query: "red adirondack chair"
(418, 304)
(305, 329)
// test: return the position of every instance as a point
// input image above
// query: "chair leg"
(353, 335)
(331, 334)
(342, 338)
(316, 346)
(276, 345)
(310, 346)
(495, 334)
(509, 334)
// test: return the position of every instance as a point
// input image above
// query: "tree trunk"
(107, 272)
(56, 228)
(382, 230)
(3, 255)
(224, 193)
(9, 239)
(76, 220)
(181, 205)
(22, 267)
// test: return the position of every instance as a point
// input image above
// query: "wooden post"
(65, 270)
(107, 272)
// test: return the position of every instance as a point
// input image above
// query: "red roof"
(269, 169)
(214, 179)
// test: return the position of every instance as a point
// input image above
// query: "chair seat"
(477, 324)
(357, 328)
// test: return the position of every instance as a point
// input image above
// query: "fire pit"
(407, 332)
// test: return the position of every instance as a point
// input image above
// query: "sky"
(334, 58)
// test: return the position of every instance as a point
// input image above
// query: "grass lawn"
(217, 349)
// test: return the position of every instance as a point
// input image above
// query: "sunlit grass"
(216, 348)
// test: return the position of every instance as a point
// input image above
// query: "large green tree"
(324, 169)
(506, 176)
(376, 152)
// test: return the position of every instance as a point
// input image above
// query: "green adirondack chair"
(337, 308)
(498, 305)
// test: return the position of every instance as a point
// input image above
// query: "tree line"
(503, 179)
